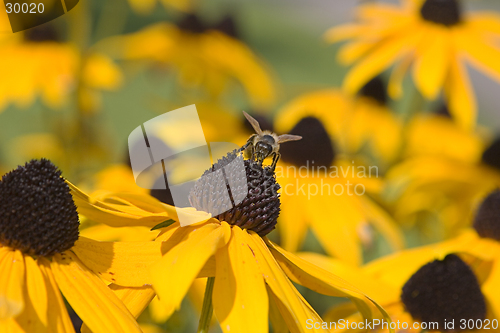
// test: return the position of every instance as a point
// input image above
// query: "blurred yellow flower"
(323, 187)
(206, 58)
(36, 63)
(458, 279)
(38, 239)
(434, 37)
(442, 176)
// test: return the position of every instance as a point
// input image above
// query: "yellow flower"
(200, 56)
(38, 239)
(36, 63)
(323, 186)
(457, 279)
(251, 276)
(435, 38)
(444, 175)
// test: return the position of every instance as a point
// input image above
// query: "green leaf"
(163, 224)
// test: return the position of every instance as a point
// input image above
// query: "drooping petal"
(460, 95)
(240, 296)
(395, 86)
(11, 283)
(291, 306)
(123, 263)
(174, 273)
(57, 315)
(277, 321)
(432, 57)
(136, 299)
(321, 281)
(86, 293)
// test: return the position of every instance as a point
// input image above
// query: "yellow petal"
(319, 280)
(292, 224)
(460, 96)
(386, 53)
(86, 293)
(351, 52)
(384, 223)
(432, 61)
(182, 263)
(292, 307)
(335, 221)
(240, 296)
(395, 87)
(57, 315)
(28, 320)
(11, 283)
(277, 321)
(100, 71)
(484, 22)
(480, 52)
(123, 263)
(135, 299)
(343, 32)
(123, 214)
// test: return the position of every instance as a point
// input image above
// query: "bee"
(264, 144)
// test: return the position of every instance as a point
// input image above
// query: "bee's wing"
(253, 122)
(288, 137)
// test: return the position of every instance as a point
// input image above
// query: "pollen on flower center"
(444, 290)
(260, 207)
(445, 12)
(315, 146)
(487, 220)
(37, 212)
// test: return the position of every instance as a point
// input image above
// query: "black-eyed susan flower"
(249, 277)
(200, 56)
(38, 234)
(326, 176)
(434, 39)
(423, 289)
(38, 63)
(455, 279)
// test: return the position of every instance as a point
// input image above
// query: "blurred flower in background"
(433, 37)
(330, 164)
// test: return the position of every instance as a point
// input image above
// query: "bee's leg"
(245, 146)
(276, 157)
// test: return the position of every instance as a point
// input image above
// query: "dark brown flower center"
(442, 291)
(315, 148)
(37, 212)
(487, 220)
(376, 90)
(446, 12)
(260, 207)
(42, 33)
(193, 23)
(491, 155)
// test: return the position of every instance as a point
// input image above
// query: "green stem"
(207, 310)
